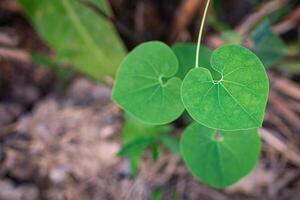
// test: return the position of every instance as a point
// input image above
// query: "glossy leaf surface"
(234, 102)
(145, 84)
(219, 159)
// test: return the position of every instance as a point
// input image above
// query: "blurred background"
(60, 132)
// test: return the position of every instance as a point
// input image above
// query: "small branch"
(15, 54)
(5, 130)
(182, 18)
(286, 87)
(282, 108)
(289, 23)
(263, 11)
(280, 146)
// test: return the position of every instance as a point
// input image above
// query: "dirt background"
(60, 142)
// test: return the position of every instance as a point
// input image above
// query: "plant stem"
(200, 34)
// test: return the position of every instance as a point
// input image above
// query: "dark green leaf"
(155, 152)
(133, 130)
(186, 54)
(135, 147)
(267, 45)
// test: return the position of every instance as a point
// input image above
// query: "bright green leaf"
(219, 159)
(72, 29)
(236, 101)
(145, 84)
(267, 45)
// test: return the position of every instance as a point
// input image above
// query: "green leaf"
(231, 37)
(267, 45)
(133, 130)
(155, 152)
(157, 194)
(145, 84)
(137, 137)
(134, 162)
(72, 29)
(171, 143)
(186, 55)
(103, 5)
(135, 147)
(219, 159)
(236, 101)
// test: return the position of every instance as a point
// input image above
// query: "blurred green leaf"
(186, 55)
(155, 151)
(278, 14)
(134, 129)
(71, 28)
(157, 194)
(231, 37)
(134, 163)
(54, 64)
(267, 45)
(137, 137)
(103, 6)
(171, 143)
(135, 147)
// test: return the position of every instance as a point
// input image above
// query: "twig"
(5, 130)
(264, 10)
(283, 109)
(289, 23)
(286, 87)
(280, 146)
(15, 54)
(183, 17)
(7, 40)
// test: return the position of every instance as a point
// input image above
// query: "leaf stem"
(200, 33)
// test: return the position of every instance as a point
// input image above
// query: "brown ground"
(62, 145)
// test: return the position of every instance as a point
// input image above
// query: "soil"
(61, 143)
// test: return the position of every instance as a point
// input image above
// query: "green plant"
(85, 39)
(267, 45)
(138, 136)
(226, 97)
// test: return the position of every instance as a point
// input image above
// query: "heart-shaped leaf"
(145, 84)
(236, 101)
(219, 159)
